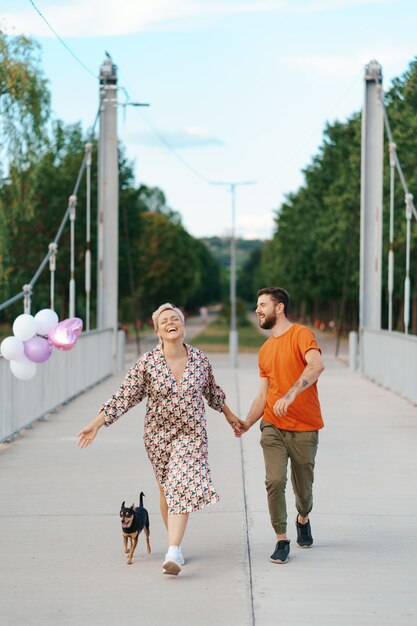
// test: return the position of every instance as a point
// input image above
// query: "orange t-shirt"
(282, 361)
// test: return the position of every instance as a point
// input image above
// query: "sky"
(239, 90)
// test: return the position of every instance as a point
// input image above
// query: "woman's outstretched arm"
(88, 433)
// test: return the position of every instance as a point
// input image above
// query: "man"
(290, 363)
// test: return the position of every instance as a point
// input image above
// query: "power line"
(176, 154)
(165, 141)
(52, 29)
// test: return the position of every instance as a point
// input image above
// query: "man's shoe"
(304, 536)
(282, 552)
(172, 563)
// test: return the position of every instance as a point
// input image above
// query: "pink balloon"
(38, 349)
(64, 336)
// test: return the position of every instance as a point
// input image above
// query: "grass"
(215, 338)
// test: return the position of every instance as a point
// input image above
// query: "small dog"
(134, 520)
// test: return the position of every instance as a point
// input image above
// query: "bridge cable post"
(108, 205)
(53, 248)
(72, 214)
(371, 202)
(408, 214)
(27, 298)
(88, 154)
(392, 148)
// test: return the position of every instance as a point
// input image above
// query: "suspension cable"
(410, 211)
(25, 293)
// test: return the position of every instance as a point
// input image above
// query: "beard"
(269, 321)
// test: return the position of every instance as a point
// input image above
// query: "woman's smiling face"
(170, 326)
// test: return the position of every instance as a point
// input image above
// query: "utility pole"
(233, 334)
(108, 203)
(371, 200)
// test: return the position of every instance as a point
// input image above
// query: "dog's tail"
(142, 495)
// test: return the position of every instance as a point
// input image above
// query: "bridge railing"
(61, 378)
(390, 359)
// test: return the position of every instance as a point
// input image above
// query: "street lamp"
(233, 335)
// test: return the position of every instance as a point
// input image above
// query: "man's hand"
(281, 405)
(243, 428)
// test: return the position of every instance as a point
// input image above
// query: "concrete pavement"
(61, 549)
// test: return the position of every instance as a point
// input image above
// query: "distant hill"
(220, 249)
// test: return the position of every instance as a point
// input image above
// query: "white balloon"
(24, 327)
(11, 348)
(23, 369)
(46, 320)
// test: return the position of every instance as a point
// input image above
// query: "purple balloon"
(38, 349)
(64, 336)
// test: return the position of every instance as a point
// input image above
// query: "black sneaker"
(304, 536)
(282, 552)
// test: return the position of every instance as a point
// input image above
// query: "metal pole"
(371, 200)
(108, 204)
(72, 205)
(88, 152)
(53, 248)
(408, 210)
(27, 298)
(391, 235)
(233, 335)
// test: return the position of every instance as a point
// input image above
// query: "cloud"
(351, 64)
(192, 137)
(95, 18)
(259, 226)
(327, 6)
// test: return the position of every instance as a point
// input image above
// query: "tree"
(24, 111)
(24, 99)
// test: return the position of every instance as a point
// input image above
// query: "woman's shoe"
(172, 563)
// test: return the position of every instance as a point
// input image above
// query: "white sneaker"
(172, 563)
(182, 559)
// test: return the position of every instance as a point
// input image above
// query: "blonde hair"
(166, 307)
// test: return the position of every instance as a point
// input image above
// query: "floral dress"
(175, 433)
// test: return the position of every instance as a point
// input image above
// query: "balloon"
(46, 320)
(24, 327)
(11, 348)
(65, 335)
(23, 369)
(38, 349)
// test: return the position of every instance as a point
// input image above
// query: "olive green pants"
(279, 446)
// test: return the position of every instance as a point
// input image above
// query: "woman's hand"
(88, 434)
(243, 428)
(238, 425)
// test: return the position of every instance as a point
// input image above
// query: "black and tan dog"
(134, 520)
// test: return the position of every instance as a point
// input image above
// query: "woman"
(174, 376)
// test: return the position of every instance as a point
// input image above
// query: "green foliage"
(241, 313)
(24, 110)
(250, 278)
(158, 260)
(24, 99)
(172, 266)
(314, 252)
(215, 337)
(220, 249)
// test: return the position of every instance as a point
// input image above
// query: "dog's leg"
(125, 548)
(134, 543)
(147, 535)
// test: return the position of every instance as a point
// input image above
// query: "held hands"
(238, 426)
